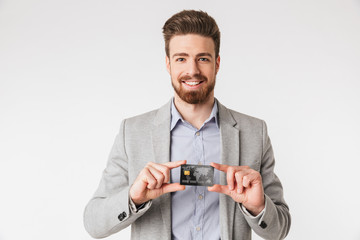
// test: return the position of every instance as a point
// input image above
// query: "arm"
(109, 209)
(260, 193)
(275, 221)
(114, 204)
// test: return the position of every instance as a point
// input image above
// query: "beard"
(194, 96)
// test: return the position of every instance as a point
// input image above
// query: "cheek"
(175, 73)
(174, 76)
(210, 73)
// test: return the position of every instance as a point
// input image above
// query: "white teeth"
(192, 83)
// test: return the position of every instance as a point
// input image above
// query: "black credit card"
(197, 175)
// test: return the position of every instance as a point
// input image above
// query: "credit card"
(197, 175)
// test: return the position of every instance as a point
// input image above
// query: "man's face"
(192, 67)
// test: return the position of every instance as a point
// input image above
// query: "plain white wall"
(71, 70)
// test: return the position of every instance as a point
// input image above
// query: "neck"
(195, 114)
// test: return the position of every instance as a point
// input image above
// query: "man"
(140, 185)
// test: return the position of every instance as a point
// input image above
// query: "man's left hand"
(244, 186)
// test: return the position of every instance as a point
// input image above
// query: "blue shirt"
(195, 211)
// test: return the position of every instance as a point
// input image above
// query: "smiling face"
(193, 67)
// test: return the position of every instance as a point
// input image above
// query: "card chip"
(186, 172)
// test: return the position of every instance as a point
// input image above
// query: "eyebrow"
(197, 55)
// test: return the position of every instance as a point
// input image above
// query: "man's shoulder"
(247, 124)
(150, 118)
(239, 115)
(244, 117)
(143, 118)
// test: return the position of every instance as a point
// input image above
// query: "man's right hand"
(152, 182)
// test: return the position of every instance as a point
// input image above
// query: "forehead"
(191, 44)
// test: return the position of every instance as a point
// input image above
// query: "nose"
(193, 68)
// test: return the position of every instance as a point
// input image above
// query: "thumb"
(172, 187)
(176, 164)
(220, 189)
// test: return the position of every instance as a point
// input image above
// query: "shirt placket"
(199, 190)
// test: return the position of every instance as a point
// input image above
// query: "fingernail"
(238, 190)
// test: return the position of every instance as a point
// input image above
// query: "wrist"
(255, 211)
(137, 200)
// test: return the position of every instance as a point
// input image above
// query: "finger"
(220, 167)
(251, 179)
(176, 164)
(148, 178)
(159, 176)
(172, 187)
(246, 182)
(239, 181)
(219, 189)
(163, 169)
(230, 177)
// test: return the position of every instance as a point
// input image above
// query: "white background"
(71, 70)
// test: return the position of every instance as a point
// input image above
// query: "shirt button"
(200, 197)
(197, 133)
(198, 228)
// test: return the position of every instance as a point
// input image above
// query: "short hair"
(191, 21)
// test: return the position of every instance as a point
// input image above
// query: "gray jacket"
(144, 138)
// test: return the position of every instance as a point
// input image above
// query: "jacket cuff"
(260, 219)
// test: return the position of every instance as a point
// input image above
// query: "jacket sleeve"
(274, 222)
(109, 210)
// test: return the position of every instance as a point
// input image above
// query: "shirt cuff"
(135, 209)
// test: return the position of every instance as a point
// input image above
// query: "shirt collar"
(175, 115)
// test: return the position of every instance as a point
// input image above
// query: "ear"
(217, 64)
(167, 60)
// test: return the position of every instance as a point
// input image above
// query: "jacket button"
(263, 224)
(122, 216)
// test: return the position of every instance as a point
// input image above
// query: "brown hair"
(191, 21)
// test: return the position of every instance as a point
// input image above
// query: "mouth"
(192, 83)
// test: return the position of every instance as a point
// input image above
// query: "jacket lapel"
(230, 151)
(161, 147)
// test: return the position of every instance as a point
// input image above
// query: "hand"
(152, 182)
(244, 186)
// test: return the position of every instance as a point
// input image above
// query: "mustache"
(197, 76)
